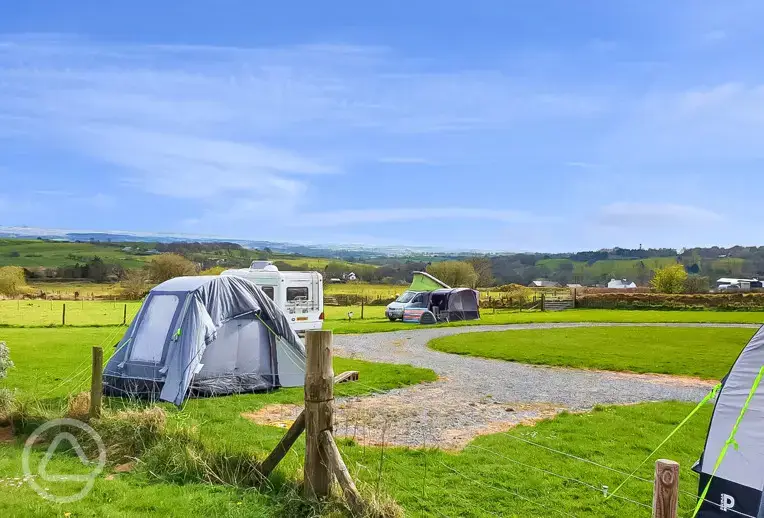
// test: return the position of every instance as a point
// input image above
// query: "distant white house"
(350, 276)
(620, 284)
(541, 283)
(575, 286)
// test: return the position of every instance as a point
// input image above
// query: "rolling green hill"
(615, 268)
(35, 253)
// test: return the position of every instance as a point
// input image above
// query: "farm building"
(729, 284)
(621, 284)
(541, 283)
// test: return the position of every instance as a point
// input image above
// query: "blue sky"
(497, 125)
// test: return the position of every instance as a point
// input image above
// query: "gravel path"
(475, 396)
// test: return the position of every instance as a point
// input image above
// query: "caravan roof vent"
(263, 265)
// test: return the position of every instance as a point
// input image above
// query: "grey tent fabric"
(738, 484)
(205, 335)
(455, 304)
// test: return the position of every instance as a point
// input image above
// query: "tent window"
(150, 337)
(297, 293)
(268, 290)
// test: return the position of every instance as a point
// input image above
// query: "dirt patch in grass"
(6, 435)
(399, 419)
(663, 379)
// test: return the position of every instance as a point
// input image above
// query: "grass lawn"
(86, 290)
(375, 321)
(705, 353)
(483, 480)
(494, 475)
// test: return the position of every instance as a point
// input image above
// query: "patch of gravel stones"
(475, 396)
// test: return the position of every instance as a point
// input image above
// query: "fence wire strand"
(504, 489)
(552, 473)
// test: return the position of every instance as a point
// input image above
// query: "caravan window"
(149, 339)
(268, 290)
(297, 293)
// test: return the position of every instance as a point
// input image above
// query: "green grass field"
(704, 353)
(483, 480)
(370, 291)
(105, 313)
(375, 321)
(34, 253)
(616, 268)
(78, 313)
(496, 475)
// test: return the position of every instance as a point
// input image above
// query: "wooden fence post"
(124, 316)
(666, 492)
(286, 442)
(362, 304)
(319, 401)
(543, 301)
(340, 470)
(63, 315)
(96, 383)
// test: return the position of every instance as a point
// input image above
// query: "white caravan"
(299, 294)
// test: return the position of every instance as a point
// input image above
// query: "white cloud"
(691, 126)
(405, 160)
(582, 165)
(214, 123)
(626, 214)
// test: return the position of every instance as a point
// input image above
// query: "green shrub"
(5, 360)
(717, 301)
(167, 266)
(12, 281)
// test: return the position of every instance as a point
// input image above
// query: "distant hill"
(58, 248)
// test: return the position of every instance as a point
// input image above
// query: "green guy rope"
(731, 440)
(709, 396)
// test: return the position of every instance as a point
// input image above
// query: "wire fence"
(39, 313)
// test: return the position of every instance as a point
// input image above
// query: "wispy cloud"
(405, 160)
(582, 165)
(719, 122)
(627, 214)
(212, 123)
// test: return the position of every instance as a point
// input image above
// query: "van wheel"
(392, 319)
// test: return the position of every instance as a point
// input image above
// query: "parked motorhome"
(299, 294)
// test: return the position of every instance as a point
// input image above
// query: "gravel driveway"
(475, 396)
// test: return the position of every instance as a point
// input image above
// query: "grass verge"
(700, 352)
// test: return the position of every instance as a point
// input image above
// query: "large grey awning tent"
(455, 304)
(736, 487)
(205, 335)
